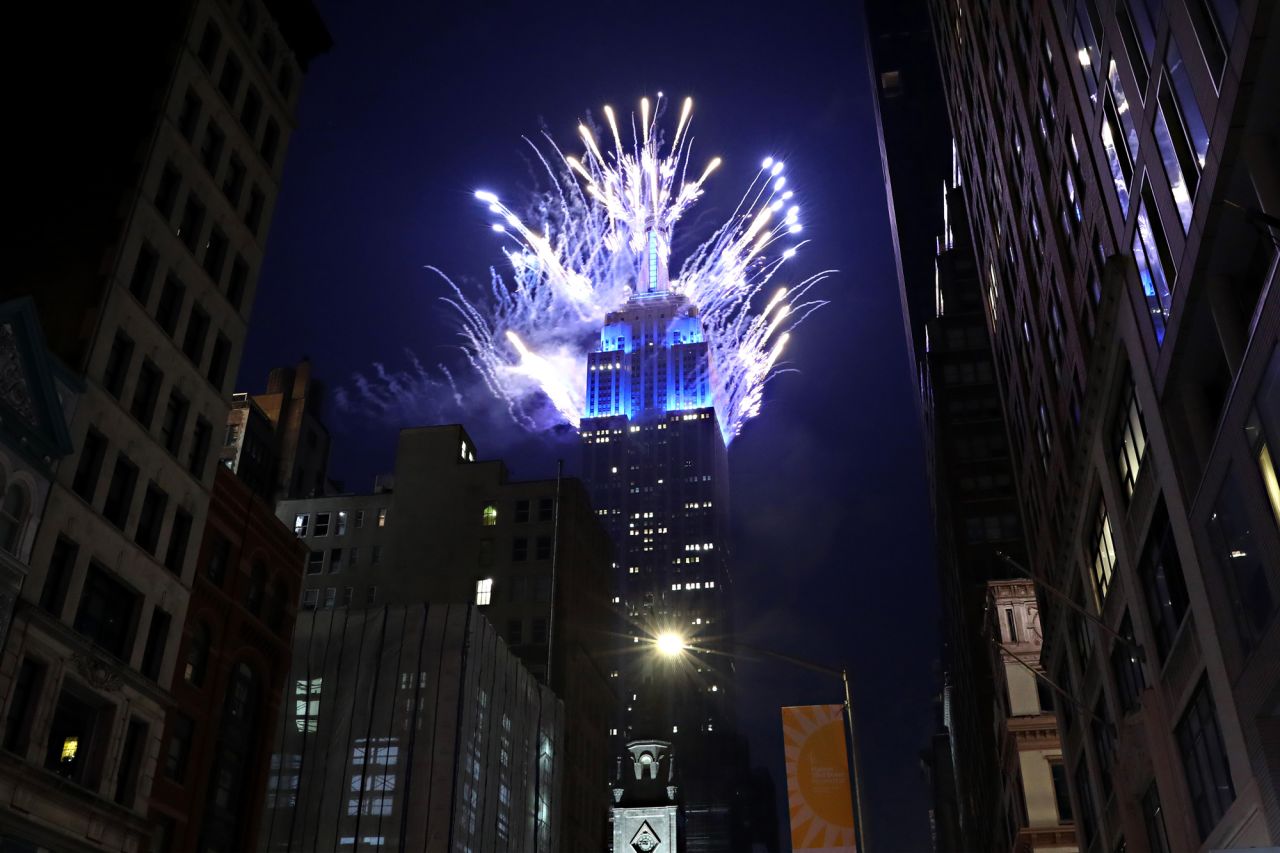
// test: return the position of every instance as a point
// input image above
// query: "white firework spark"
(575, 257)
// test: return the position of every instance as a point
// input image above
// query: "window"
(210, 41)
(1163, 586)
(315, 562)
(25, 692)
(484, 591)
(546, 509)
(1011, 625)
(330, 597)
(1104, 555)
(229, 82)
(1117, 154)
(1153, 817)
(371, 595)
(300, 524)
(167, 191)
(58, 578)
(1204, 759)
(1175, 154)
(130, 759)
(1155, 264)
(179, 538)
(1104, 744)
(270, 142)
(190, 115)
(1130, 440)
(257, 589)
(543, 548)
(211, 147)
(522, 512)
(179, 749)
(233, 181)
(215, 254)
(219, 559)
(322, 524)
(306, 711)
(342, 523)
(192, 222)
(253, 216)
(1139, 37)
(174, 422)
(382, 518)
(515, 632)
(201, 436)
(1085, 36)
(519, 549)
(359, 519)
(170, 306)
(89, 466)
(106, 614)
(144, 272)
(117, 366)
(539, 633)
(1240, 563)
(251, 112)
(335, 560)
(1263, 432)
(489, 515)
(375, 555)
(157, 637)
(219, 360)
(124, 477)
(347, 593)
(150, 518)
(1214, 22)
(1126, 669)
(310, 598)
(1061, 796)
(238, 281)
(353, 558)
(1188, 108)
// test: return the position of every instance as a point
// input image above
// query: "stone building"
(531, 555)
(230, 686)
(146, 210)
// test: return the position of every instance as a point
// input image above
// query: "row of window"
(311, 598)
(229, 81)
(520, 511)
(120, 494)
(335, 521)
(191, 223)
(338, 559)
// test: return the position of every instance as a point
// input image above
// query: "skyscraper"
(655, 462)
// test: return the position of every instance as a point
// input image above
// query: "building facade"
(143, 286)
(1117, 163)
(1037, 793)
(531, 555)
(229, 689)
(655, 462)
(446, 744)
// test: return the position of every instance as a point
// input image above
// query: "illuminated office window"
(484, 591)
(489, 515)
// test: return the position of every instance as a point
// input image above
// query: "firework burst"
(575, 253)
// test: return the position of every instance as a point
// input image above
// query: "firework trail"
(575, 254)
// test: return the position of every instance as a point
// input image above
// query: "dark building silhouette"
(146, 197)
(531, 555)
(1117, 165)
(229, 688)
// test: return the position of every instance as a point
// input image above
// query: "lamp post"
(670, 644)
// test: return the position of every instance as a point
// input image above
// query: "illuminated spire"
(654, 277)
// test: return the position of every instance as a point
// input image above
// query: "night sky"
(417, 106)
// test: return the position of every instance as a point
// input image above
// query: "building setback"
(210, 787)
(414, 729)
(143, 286)
(531, 555)
(1117, 163)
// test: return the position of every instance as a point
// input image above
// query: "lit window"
(382, 517)
(484, 591)
(1104, 556)
(342, 524)
(307, 703)
(1155, 264)
(300, 524)
(489, 515)
(1130, 442)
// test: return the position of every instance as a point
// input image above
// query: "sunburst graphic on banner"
(818, 779)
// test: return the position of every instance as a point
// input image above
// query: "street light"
(671, 644)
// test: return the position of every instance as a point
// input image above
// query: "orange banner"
(818, 779)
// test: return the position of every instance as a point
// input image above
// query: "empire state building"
(655, 462)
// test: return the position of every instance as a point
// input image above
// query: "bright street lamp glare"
(670, 644)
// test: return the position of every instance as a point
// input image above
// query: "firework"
(574, 256)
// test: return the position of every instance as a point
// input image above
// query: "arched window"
(489, 516)
(257, 587)
(197, 662)
(13, 515)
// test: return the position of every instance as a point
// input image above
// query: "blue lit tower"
(655, 461)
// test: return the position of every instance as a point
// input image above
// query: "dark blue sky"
(416, 106)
